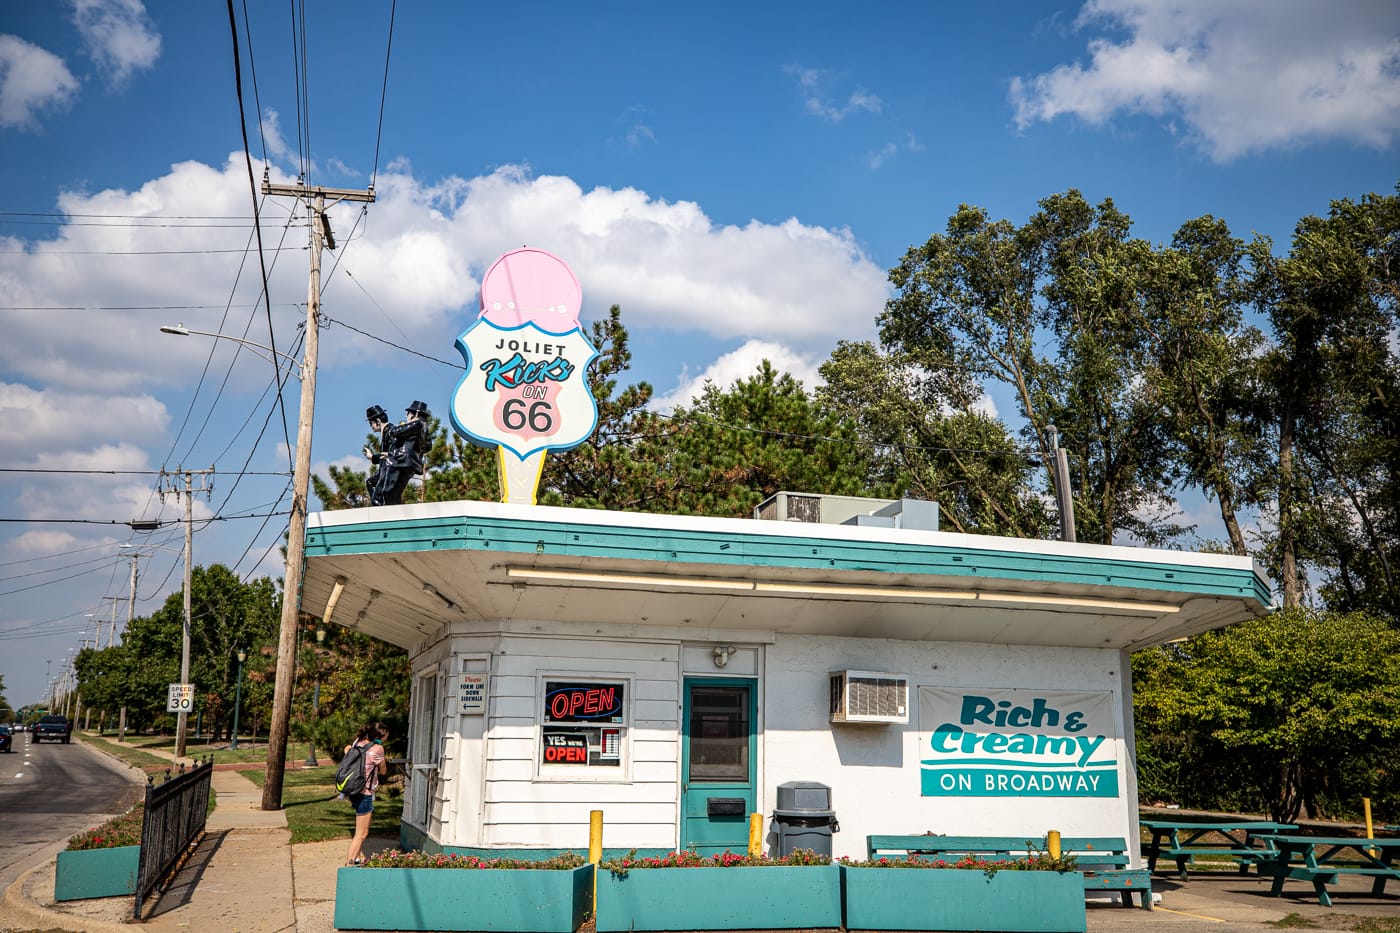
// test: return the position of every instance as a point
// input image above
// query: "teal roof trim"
(536, 538)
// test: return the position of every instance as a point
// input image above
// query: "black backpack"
(350, 776)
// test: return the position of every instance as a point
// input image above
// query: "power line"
(127, 216)
(30, 560)
(391, 343)
(126, 472)
(127, 226)
(383, 92)
(39, 573)
(137, 252)
(159, 523)
(253, 73)
(117, 307)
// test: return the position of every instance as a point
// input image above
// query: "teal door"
(718, 750)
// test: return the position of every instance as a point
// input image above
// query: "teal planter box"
(741, 898)
(523, 900)
(96, 873)
(958, 899)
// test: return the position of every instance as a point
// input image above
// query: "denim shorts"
(362, 803)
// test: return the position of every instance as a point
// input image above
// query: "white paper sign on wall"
(471, 695)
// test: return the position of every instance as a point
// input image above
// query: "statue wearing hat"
(378, 422)
(404, 445)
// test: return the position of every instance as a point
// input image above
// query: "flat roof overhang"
(405, 572)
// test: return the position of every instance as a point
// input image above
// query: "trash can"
(803, 818)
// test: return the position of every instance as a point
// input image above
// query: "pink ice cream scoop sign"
(525, 389)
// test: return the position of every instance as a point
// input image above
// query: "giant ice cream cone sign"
(525, 390)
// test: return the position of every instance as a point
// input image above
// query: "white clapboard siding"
(520, 807)
(588, 654)
(577, 812)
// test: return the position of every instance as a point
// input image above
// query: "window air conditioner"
(865, 696)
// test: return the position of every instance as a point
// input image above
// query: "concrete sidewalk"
(246, 877)
(243, 876)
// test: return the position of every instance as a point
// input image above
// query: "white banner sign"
(1018, 743)
(181, 698)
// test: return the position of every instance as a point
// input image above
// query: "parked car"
(6, 739)
(53, 727)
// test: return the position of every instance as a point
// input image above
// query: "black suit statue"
(403, 446)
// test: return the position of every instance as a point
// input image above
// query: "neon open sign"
(583, 702)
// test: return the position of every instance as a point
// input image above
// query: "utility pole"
(130, 617)
(206, 486)
(112, 638)
(315, 198)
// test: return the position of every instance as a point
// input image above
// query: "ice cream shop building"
(676, 672)
(839, 665)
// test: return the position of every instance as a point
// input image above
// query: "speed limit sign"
(181, 698)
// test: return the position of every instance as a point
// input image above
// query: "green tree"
(1333, 378)
(225, 613)
(732, 448)
(1201, 367)
(1295, 713)
(923, 436)
(1052, 309)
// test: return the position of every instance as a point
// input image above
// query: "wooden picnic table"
(1322, 859)
(1187, 839)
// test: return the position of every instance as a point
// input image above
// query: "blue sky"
(738, 177)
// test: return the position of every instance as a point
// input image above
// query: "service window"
(583, 724)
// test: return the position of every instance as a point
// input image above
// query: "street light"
(238, 696)
(316, 698)
(296, 525)
(257, 349)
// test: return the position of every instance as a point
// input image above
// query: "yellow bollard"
(1370, 832)
(755, 835)
(595, 849)
(1052, 843)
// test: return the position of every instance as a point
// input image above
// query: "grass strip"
(134, 756)
(315, 815)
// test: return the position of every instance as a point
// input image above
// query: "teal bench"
(1102, 861)
(1248, 842)
(1323, 859)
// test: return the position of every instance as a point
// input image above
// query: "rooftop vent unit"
(848, 510)
(869, 697)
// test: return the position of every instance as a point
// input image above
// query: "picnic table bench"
(1101, 861)
(1186, 840)
(1322, 859)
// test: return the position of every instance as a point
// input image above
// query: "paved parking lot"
(1222, 902)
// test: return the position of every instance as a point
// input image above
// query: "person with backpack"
(357, 779)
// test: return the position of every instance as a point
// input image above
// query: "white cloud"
(878, 157)
(118, 35)
(53, 421)
(810, 82)
(740, 364)
(1243, 75)
(84, 386)
(31, 80)
(415, 264)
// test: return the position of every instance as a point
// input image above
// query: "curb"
(16, 905)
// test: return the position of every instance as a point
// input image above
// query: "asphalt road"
(50, 791)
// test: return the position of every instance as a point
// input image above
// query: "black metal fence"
(175, 814)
